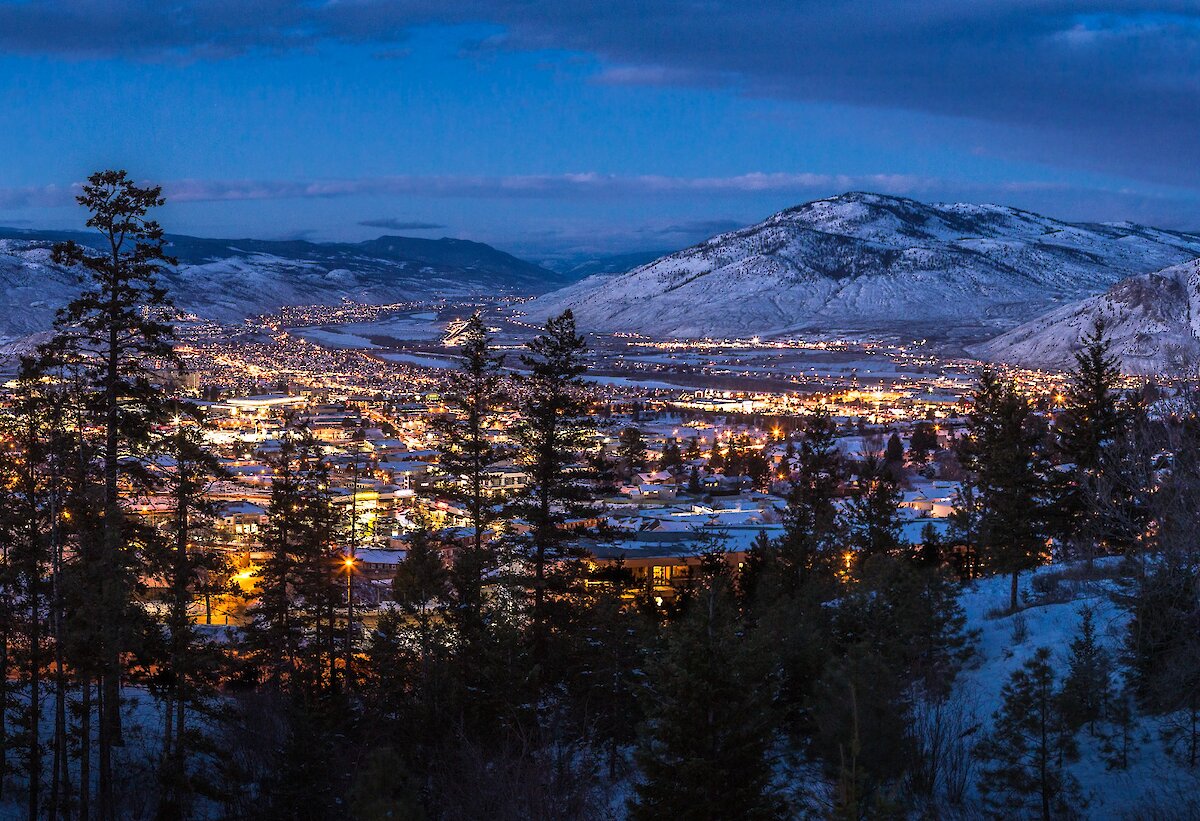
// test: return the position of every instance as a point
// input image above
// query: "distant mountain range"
(578, 266)
(229, 279)
(864, 262)
(1152, 319)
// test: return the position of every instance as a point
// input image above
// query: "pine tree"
(607, 663)
(1093, 419)
(1122, 714)
(74, 520)
(1093, 414)
(188, 669)
(922, 442)
(551, 436)
(604, 478)
(116, 327)
(861, 731)
(292, 631)
(273, 635)
(930, 551)
(705, 749)
(717, 457)
(910, 616)
(966, 519)
(873, 514)
(1008, 478)
(672, 459)
(421, 585)
(631, 451)
(1163, 646)
(894, 457)
(1024, 773)
(756, 465)
(810, 521)
(474, 399)
(30, 507)
(760, 560)
(421, 588)
(1088, 683)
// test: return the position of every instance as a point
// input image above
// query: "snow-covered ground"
(1053, 622)
(421, 360)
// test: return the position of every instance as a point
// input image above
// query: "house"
(662, 564)
(649, 492)
(505, 479)
(404, 474)
(377, 564)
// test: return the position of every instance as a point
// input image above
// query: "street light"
(349, 565)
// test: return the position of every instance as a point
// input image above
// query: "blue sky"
(558, 127)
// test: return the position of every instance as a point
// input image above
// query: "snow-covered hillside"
(1152, 319)
(871, 262)
(1051, 618)
(229, 279)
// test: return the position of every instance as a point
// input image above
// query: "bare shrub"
(1020, 629)
(944, 734)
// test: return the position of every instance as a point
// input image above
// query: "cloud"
(741, 199)
(39, 196)
(657, 75)
(1111, 85)
(1054, 197)
(546, 186)
(401, 225)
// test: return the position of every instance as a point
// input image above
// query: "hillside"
(1054, 599)
(868, 262)
(1153, 321)
(229, 279)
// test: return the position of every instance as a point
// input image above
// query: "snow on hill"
(870, 262)
(1051, 618)
(1152, 319)
(226, 280)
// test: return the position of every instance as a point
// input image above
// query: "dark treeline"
(514, 679)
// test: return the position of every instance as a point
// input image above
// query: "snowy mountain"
(869, 262)
(1152, 319)
(230, 279)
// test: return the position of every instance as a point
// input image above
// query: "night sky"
(550, 126)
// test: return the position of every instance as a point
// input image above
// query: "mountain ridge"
(1152, 320)
(871, 262)
(229, 279)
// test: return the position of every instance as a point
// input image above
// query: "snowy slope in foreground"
(870, 262)
(1152, 319)
(1112, 793)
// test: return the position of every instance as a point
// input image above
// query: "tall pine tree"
(117, 328)
(551, 436)
(1093, 419)
(1003, 452)
(474, 399)
(705, 752)
(809, 540)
